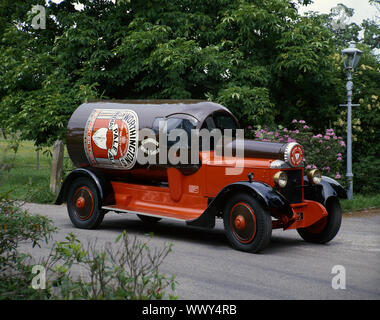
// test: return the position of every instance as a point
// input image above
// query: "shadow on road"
(168, 230)
(178, 231)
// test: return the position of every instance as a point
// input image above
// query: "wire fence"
(28, 156)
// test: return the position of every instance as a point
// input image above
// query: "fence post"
(56, 166)
(38, 159)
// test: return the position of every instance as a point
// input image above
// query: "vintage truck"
(128, 160)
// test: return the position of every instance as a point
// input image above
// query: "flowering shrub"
(323, 151)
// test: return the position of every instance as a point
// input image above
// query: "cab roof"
(148, 110)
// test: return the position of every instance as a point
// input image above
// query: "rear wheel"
(83, 204)
(325, 229)
(247, 225)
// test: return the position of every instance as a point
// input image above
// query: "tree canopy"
(260, 58)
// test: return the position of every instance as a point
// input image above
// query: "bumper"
(305, 214)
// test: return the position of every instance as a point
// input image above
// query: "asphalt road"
(206, 267)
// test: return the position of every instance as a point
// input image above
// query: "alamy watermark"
(39, 20)
(39, 281)
(181, 147)
(339, 279)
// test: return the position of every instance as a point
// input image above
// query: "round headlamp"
(315, 176)
(281, 179)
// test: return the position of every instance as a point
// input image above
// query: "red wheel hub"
(83, 203)
(80, 203)
(240, 222)
(243, 222)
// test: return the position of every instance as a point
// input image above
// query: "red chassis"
(186, 197)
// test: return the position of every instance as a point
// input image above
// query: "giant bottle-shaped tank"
(107, 135)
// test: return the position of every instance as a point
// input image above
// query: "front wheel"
(83, 204)
(247, 225)
(325, 229)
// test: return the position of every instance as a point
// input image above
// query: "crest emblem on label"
(296, 155)
(111, 138)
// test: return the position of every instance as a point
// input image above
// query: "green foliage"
(8, 154)
(129, 271)
(366, 175)
(371, 33)
(248, 55)
(251, 104)
(323, 151)
(17, 227)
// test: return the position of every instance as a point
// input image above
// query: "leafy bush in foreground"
(129, 271)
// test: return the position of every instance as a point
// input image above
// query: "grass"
(361, 202)
(23, 180)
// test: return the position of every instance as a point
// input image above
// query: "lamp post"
(351, 57)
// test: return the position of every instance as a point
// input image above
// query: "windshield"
(220, 121)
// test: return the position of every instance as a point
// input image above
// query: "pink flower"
(327, 137)
(276, 134)
(280, 139)
(342, 143)
(306, 127)
(297, 131)
(338, 176)
(308, 166)
(302, 121)
(270, 132)
(335, 137)
(339, 154)
(328, 148)
(285, 130)
(249, 127)
(339, 159)
(294, 121)
(314, 166)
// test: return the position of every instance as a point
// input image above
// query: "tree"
(260, 58)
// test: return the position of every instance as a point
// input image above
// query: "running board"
(149, 214)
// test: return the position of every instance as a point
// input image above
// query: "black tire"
(247, 225)
(148, 219)
(326, 229)
(87, 215)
